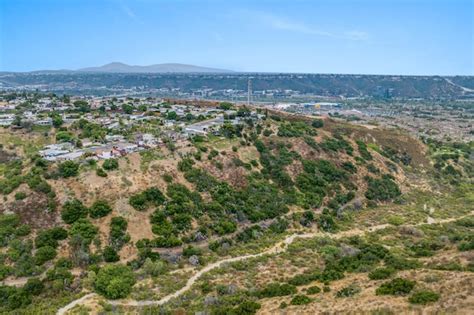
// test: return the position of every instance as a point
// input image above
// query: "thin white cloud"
(285, 24)
(129, 12)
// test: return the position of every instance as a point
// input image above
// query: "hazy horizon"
(417, 37)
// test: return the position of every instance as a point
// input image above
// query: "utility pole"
(249, 91)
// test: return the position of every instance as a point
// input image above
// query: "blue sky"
(358, 36)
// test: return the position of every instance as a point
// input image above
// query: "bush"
(118, 235)
(423, 297)
(114, 281)
(154, 268)
(313, 290)
(246, 307)
(33, 286)
(73, 210)
(110, 255)
(303, 279)
(110, 164)
(50, 237)
(364, 153)
(300, 300)
(317, 123)
(100, 172)
(382, 189)
(20, 195)
(68, 169)
(276, 289)
(100, 209)
(151, 196)
(348, 291)
(397, 286)
(44, 254)
(85, 229)
(381, 273)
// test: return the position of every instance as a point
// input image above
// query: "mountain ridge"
(119, 67)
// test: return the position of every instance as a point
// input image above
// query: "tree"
(100, 209)
(68, 169)
(73, 210)
(64, 136)
(172, 116)
(127, 109)
(82, 106)
(57, 121)
(114, 281)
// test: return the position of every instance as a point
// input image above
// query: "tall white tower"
(249, 91)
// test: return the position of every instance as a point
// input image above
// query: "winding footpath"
(276, 249)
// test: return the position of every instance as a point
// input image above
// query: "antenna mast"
(249, 91)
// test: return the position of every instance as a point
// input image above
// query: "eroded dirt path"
(275, 249)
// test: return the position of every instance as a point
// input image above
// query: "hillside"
(301, 85)
(279, 213)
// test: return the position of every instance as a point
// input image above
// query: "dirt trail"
(71, 305)
(277, 248)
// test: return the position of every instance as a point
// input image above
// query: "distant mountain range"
(118, 67)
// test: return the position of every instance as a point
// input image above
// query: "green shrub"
(303, 279)
(423, 297)
(68, 169)
(364, 153)
(33, 286)
(50, 237)
(151, 196)
(118, 235)
(110, 164)
(100, 209)
(381, 273)
(348, 291)
(114, 281)
(64, 136)
(44, 254)
(20, 195)
(317, 123)
(110, 255)
(276, 289)
(100, 172)
(397, 286)
(300, 299)
(466, 246)
(5, 271)
(73, 210)
(246, 307)
(167, 178)
(85, 229)
(382, 189)
(313, 290)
